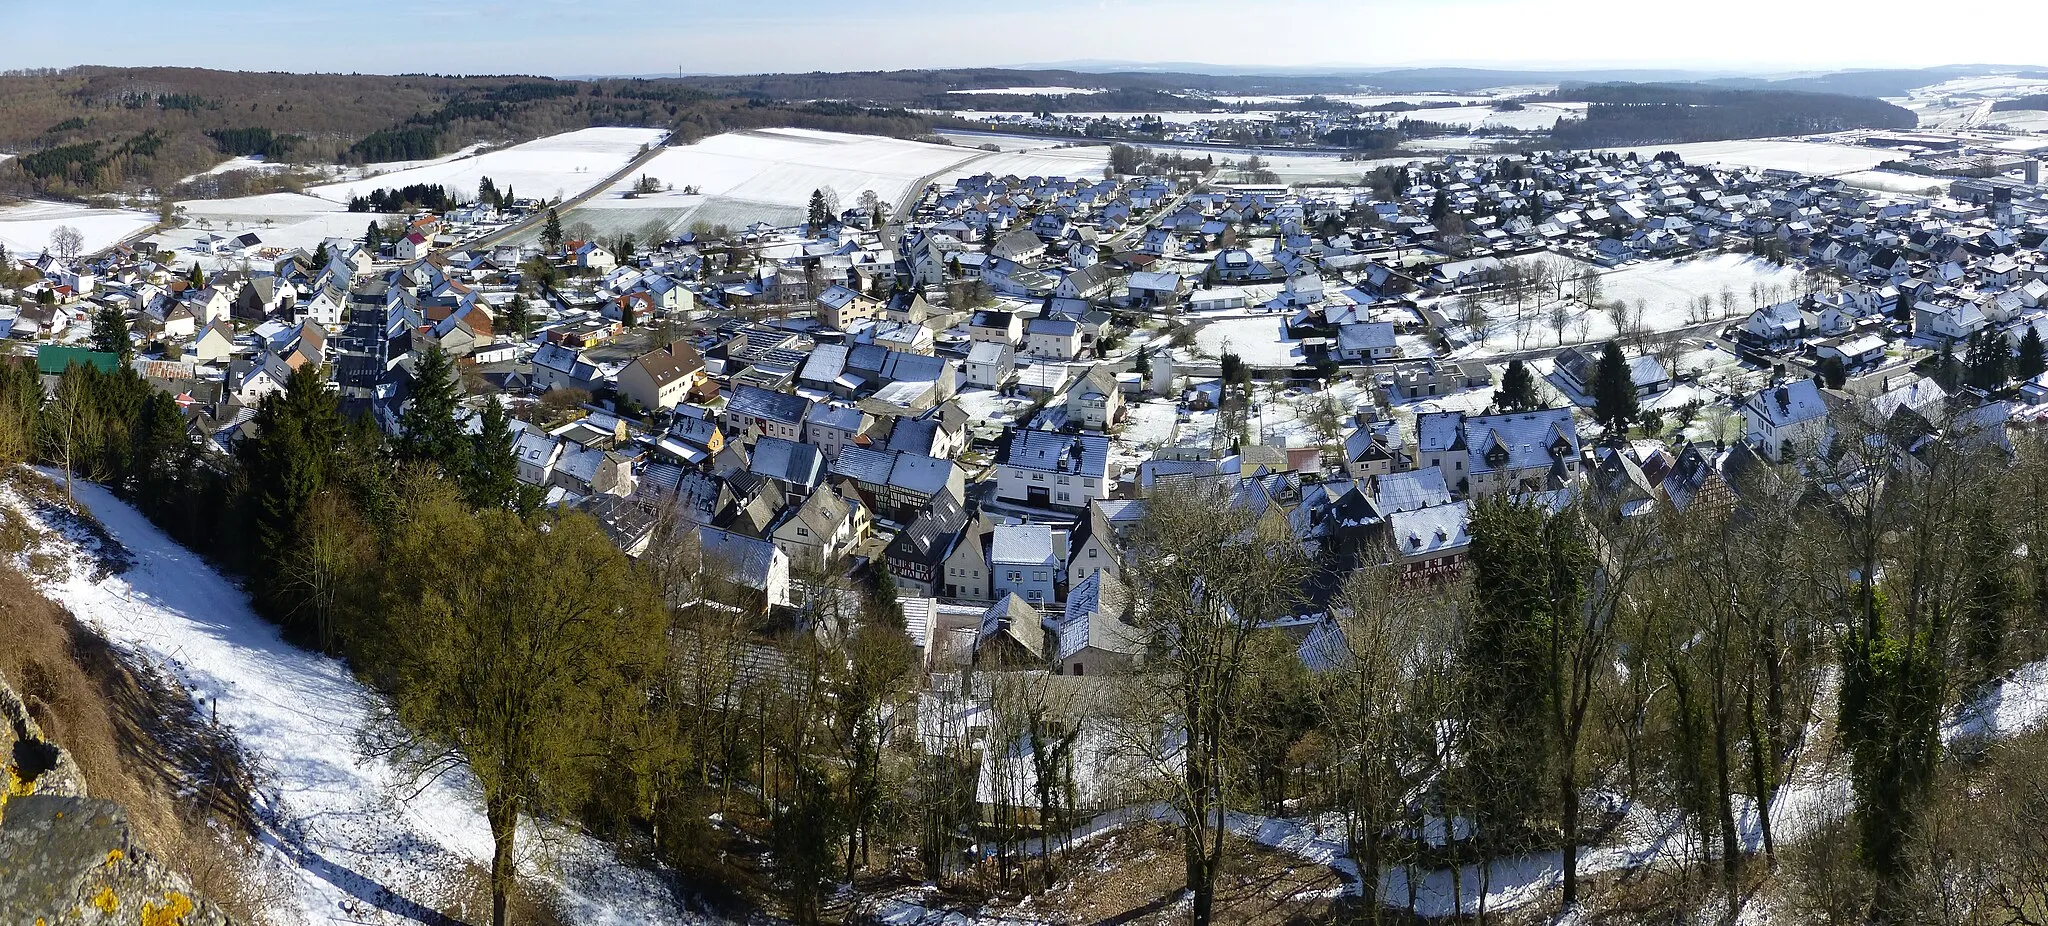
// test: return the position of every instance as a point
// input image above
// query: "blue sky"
(647, 37)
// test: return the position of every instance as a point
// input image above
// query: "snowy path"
(347, 837)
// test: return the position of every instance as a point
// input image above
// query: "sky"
(582, 37)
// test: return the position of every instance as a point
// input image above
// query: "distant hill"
(1647, 114)
(1877, 82)
(95, 129)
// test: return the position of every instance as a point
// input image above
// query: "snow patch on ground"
(557, 166)
(357, 845)
(25, 227)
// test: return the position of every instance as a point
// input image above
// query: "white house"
(1786, 420)
(991, 364)
(1047, 469)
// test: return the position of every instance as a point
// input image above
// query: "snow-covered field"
(1260, 340)
(1665, 287)
(345, 835)
(1808, 157)
(1077, 163)
(25, 228)
(285, 220)
(1666, 290)
(559, 165)
(1531, 116)
(767, 176)
(1028, 91)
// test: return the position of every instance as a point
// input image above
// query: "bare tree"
(67, 242)
(1211, 572)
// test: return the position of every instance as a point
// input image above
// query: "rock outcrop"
(67, 858)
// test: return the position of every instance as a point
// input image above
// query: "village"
(978, 393)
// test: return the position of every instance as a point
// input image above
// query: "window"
(1037, 477)
(803, 532)
(1077, 668)
(1091, 552)
(1016, 577)
(1063, 496)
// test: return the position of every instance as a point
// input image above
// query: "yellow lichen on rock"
(176, 907)
(113, 855)
(105, 901)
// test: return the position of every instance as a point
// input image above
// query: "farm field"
(25, 227)
(1820, 158)
(1665, 290)
(764, 176)
(559, 165)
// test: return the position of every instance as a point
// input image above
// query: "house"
(1368, 342)
(217, 342)
(1773, 327)
(1483, 454)
(535, 453)
(1052, 338)
(592, 256)
(916, 556)
(1093, 547)
(1011, 636)
(1024, 560)
(561, 366)
(1950, 320)
(990, 364)
(840, 307)
(1577, 367)
(832, 427)
(757, 565)
(1046, 469)
(817, 532)
(897, 485)
(1095, 639)
(767, 412)
(1000, 327)
(662, 378)
(1094, 402)
(1430, 542)
(1786, 420)
(1854, 353)
(963, 573)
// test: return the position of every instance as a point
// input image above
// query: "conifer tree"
(492, 479)
(427, 429)
(197, 277)
(2033, 357)
(820, 213)
(1517, 392)
(110, 334)
(551, 231)
(1614, 390)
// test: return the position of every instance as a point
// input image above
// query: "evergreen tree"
(197, 277)
(110, 334)
(320, 257)
(820, 213)
(492, 479)
(427, 429)
(518, 316)
(1986, 360)
(1614, 390)
(290, 460)
(2033, 357)
(1517, 392)
(373, 238)
(1948, 372)
(1832, 373)
(551, 231)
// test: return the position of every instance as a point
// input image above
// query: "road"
(484, 241)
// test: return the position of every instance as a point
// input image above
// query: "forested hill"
(1633, 114)
(95, 129)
